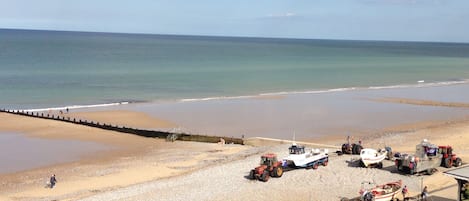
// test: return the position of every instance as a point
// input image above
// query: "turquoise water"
(41, 69)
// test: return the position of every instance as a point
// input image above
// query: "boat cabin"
(295, 149)
(425, 149)
(462, 177)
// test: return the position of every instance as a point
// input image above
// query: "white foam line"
(75, 107)
(418, 85)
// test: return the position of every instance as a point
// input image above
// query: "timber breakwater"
(169, 136)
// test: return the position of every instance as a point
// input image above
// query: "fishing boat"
(371, 157)
(300, 158)
(384, 192)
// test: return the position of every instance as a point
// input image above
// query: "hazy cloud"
(282, 15)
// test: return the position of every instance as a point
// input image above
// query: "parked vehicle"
(299, 158)
(427, 158)
(269, 167)
(352, 148)
(449, 159)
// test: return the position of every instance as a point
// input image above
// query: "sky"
(395, 20)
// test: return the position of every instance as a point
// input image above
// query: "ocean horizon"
(56, 69)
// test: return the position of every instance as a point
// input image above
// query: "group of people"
(423, 195)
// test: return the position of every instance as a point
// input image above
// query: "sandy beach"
(138, 168)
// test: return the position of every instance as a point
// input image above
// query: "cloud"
(401, 2)
(283, 15)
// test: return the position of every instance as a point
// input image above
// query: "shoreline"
(260, 95)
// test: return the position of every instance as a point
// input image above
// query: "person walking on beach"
(52, 181)
(404, 192)
(424, 193)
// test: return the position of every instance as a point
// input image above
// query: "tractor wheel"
(252, 174)
(346, 149)
(325, 162)
(315, 166)
(448, 162)
(265, 176)
(354, 149)
(458, 162)
(278, 171)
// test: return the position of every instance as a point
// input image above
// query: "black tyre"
(359, 149)
(278, 171)
(315, 166)
(354, 149)
(265, 176)
(252, 174)
(458, 162)
(448, 162)
(346, 149)
(380, 165)
(325, 162)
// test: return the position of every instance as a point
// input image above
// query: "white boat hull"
(371, 156)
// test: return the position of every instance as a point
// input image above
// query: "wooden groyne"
(170, 136)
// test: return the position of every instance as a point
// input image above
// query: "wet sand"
(150, 169)
(356, 112)
(19, 152)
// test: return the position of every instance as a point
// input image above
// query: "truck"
(427, 158)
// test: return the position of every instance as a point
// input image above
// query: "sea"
(56, 69)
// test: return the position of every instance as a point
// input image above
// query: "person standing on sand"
(52, 181)
(424, 193)
(404, 192)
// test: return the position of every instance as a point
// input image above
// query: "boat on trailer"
(299, 158)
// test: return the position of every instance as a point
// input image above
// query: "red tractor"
(269, 167)
(449, 159)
